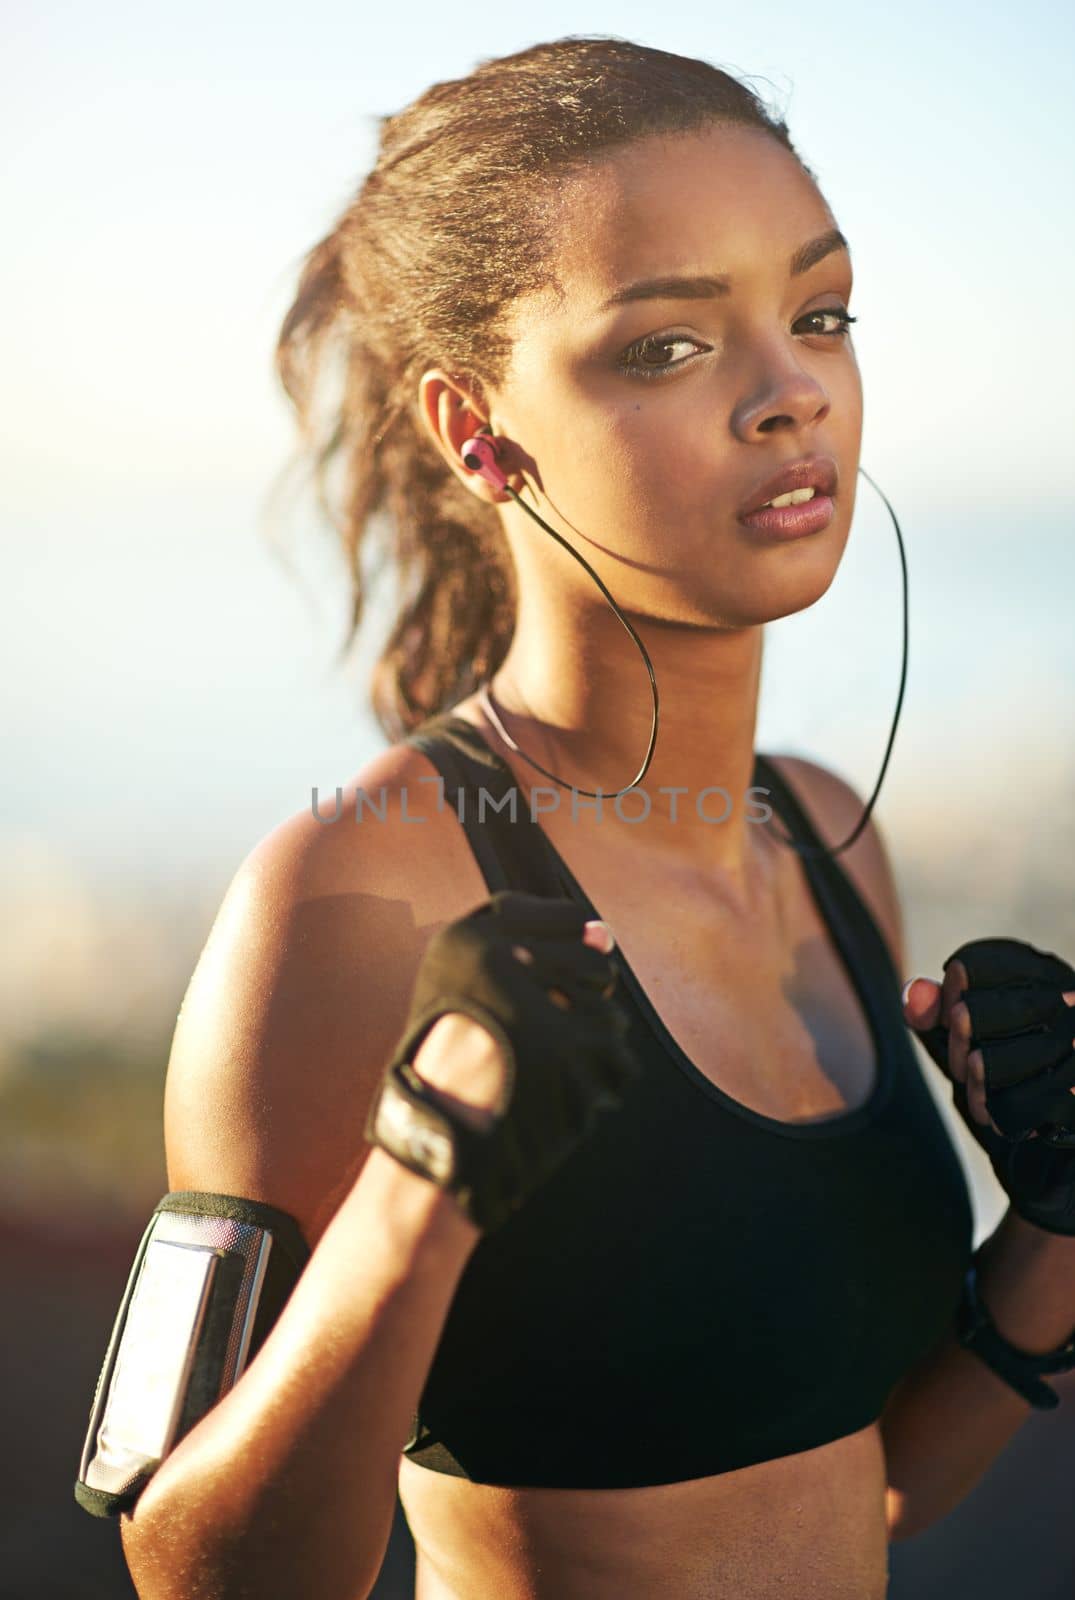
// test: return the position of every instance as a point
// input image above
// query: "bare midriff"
(810, 1525)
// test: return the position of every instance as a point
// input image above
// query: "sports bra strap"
(839, 894)
(509, 845)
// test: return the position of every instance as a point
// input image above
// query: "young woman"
(671, 1366)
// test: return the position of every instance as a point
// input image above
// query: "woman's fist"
(463, 1061)
(934, 1009)
(1001, 1026)
(530, 1052)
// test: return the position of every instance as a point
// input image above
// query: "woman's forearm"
(288, 1485)
(949, 1418)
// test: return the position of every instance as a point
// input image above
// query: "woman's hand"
(929, 1005)
(464, 1063)
(531, 1052)
(1001, 1026)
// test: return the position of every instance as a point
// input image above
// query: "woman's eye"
(636, 362)
(841, 313)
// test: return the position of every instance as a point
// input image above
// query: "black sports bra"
(699, 1286)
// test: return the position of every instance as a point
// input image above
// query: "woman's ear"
(451, 416)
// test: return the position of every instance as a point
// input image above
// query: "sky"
(168, 687)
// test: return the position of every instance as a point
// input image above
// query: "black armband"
(210, 1277)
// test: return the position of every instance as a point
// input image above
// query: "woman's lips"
(790, 522)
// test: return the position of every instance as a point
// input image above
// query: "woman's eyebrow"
(711, 288)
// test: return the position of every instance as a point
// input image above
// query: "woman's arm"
(287, 1486)
(950, 1417)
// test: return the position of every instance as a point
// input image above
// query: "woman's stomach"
(812, 1524)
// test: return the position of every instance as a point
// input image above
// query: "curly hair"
(455, 220)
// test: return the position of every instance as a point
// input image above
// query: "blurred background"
(170, 691)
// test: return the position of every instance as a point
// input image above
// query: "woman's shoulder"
(303, 986)
(388, 826)
(835, 807)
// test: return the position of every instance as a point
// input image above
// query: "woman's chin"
(778, 592)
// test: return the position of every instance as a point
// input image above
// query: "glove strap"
(408, 1119)
(976, 1331)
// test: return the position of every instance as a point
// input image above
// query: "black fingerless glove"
(1024, 1029)
(565, 1066)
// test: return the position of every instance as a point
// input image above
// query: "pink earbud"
(479, 454)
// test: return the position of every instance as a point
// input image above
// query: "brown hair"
(454, 222)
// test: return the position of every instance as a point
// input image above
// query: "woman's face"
(649, 449)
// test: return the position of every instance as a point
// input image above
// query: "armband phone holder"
(210, 1277)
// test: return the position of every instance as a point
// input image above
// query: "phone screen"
(164, 1323)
